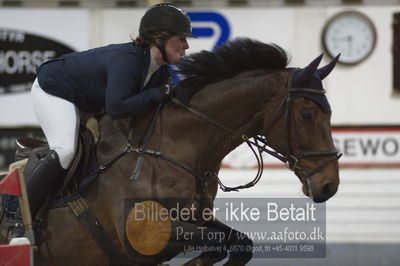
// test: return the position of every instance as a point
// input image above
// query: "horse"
(241, 92)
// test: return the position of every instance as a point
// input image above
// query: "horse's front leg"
(200, 237)
(239, 245)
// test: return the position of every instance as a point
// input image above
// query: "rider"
(121, 80)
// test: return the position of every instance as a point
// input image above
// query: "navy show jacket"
(108, 78)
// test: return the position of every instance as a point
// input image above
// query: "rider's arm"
(123, 93)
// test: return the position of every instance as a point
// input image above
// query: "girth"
(86, 218)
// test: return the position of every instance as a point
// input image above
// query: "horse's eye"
(307, 116)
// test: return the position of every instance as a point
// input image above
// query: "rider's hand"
(166, 92)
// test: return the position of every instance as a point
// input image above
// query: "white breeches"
(59, 120)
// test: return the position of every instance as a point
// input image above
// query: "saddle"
(35, 149)
(28, 154)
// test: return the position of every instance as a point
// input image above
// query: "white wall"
(359, 95)
(363, 94)
(364, 210)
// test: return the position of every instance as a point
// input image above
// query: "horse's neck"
(241, 104)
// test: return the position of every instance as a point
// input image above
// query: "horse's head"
(306, 143)
(245, 77)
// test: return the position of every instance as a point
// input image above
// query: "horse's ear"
(303, 75)
(324, 71)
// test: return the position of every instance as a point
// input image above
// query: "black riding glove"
(166, 92)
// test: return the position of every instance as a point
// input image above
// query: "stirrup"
(17, 231)
(15, 226)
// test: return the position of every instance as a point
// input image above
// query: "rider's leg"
(46, 177)
(59, 120)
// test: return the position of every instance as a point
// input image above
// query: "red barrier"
(10, 184)
(18, 253)
(15, 255)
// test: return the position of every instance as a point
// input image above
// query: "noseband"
(290, 159)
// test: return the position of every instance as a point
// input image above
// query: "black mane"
(227, 60)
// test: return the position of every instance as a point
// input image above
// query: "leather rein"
(258, 144)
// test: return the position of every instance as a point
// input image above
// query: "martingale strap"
(85, 217)
(149, 133)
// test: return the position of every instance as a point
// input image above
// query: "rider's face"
(175, 48)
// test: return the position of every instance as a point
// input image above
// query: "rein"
(258, 145)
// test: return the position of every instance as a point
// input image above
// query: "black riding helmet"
(165, 17)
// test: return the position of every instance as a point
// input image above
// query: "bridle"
(261, 145)
(290, 159)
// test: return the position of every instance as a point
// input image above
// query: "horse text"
(12, 62)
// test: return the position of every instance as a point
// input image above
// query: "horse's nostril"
(327, 189)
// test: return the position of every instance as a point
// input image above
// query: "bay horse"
(240, 91)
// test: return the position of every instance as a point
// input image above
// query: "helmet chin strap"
(161, 47)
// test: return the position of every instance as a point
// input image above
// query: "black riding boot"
(41, 179)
